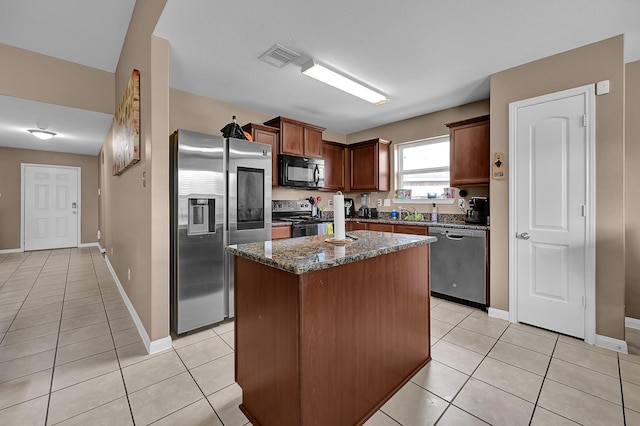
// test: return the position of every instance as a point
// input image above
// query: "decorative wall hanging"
(126, 127)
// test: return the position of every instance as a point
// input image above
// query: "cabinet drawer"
(380, 227)
(411, 229)
(280, 232)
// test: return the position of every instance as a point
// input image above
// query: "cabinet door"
(280, 232)
(355, 226)
(269, 138)
(312, 143)
(411, 229)
(380, 227)
(364, 167)
(291, 139)
(470, 154)
(333, 155)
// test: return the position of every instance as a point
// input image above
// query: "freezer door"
(249, 198)
(197, 229)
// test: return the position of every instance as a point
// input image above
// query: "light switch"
(602, 87)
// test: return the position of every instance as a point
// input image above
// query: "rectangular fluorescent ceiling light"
(332, 78)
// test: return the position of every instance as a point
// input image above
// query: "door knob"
(523, 236)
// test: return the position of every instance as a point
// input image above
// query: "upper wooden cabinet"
(298, 138)
(335, 160)
(267, 135)
(469, 157)
(370, 165)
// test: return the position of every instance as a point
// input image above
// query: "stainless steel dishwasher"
(459, 264)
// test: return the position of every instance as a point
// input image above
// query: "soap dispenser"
(434, 213)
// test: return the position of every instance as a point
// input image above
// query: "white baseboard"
(498, 313)
(151, 346)
(9, 251)
(632, 323)
(102, 250)
(611, 343)
(82, 245)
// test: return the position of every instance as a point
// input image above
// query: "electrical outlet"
(330, 202)
(387, 202)
(379, 202)
(129, 274)
(461, 203)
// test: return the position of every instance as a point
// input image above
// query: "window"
(423, 167)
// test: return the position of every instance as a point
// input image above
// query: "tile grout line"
(55, 354)
(470, 375)
(544, 378)
(115, 349)
(196, 382)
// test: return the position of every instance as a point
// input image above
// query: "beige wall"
(10, 201)
(421, 127)
(205, 115)
(30, 75)
(135, 216)
(632, 196)
(578, 67)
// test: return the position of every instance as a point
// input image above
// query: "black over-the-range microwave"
(300, 172)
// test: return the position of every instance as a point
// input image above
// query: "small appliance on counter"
(364, 211)
(478, 212)
(373, 213)
(349, 207)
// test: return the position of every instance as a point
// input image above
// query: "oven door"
(300, 172)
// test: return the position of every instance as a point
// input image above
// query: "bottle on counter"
(434, 213)
(394, 214)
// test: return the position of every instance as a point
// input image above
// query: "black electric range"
(299, 213)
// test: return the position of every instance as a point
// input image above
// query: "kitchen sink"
(414, 218)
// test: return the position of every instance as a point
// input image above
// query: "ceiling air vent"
(278, 56)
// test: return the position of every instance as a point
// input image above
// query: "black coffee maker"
(349, 207)
(478, 212)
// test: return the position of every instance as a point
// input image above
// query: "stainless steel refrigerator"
(220, 195)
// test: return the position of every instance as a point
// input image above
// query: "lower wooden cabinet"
(399, 228)
(380, 227)
(411, 229)
(280, 232)
(355, 226)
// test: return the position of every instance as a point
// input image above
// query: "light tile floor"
(70, 354)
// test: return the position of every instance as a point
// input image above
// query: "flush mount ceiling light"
(332, 78)
(42, 133)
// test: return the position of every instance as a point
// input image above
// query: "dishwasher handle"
(454, 237)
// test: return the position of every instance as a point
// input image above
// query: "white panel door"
(550, 207)
(50, 207)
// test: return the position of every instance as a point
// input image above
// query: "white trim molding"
(151, 346)
(612, 344)
(498, 313)
(632, 323)
(9, 251)
(83, 245)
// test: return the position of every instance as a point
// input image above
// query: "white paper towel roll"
(338, 216)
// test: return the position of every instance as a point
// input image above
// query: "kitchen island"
(325, 334)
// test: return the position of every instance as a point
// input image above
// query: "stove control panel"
(291, 206)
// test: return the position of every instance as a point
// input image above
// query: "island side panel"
(266, 352)
(365, 332)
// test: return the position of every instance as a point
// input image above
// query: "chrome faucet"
(407, 211)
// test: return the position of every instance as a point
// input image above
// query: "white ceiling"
(426, 55)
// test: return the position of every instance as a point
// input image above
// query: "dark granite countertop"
(459, 225)
(308, 254)
(280, 223)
